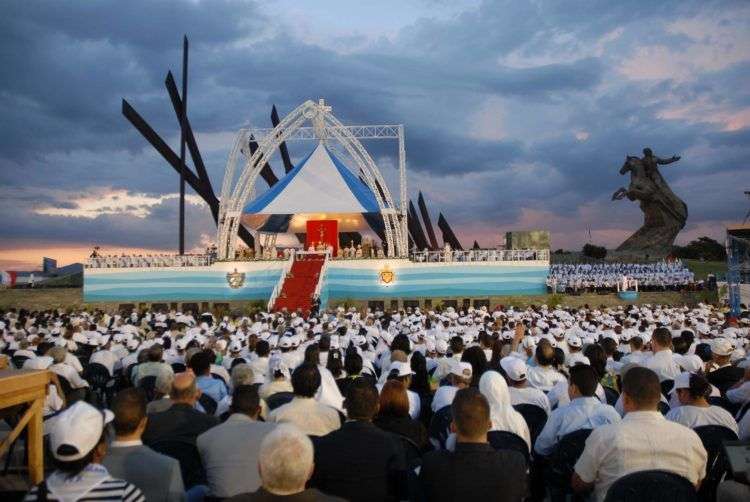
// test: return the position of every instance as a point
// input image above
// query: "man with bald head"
(181, 422)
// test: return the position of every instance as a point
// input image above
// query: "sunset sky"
(518, 114)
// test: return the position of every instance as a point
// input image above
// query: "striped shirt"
(93, 484)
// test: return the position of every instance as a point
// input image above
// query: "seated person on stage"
(360, 461)
(303, 411)
(584, 411)
(643, 440)
(474, 471)
(285, 464)
(157, 476)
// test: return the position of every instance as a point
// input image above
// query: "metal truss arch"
(324, 127)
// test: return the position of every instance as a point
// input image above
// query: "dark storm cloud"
(68, 64)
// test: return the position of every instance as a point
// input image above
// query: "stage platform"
(366, 279)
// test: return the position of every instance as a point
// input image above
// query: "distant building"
(11, 278)
(532, 239)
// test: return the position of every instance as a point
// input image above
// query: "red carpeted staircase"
(299, 285)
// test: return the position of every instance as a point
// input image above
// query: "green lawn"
(71, 298)
(702, 268)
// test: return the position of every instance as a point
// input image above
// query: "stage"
(365, 279)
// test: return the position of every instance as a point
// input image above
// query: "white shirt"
(643, 440)
(696, 416)
(739, 394)
(581, 413)
(543, 377)
(106, 359)
(636, 357)
(529, 395)
(443, 397)
(71, 375)
(662, 363)
(558, 395)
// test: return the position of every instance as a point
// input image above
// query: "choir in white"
(610, 276)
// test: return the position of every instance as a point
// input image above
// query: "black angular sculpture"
(427, 222)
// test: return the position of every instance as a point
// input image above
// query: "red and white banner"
(8, 278)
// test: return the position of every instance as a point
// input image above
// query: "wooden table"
(26, 387)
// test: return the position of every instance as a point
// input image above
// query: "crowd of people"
(149, 260)
(614, 276)
(446, 405)
(472, 255)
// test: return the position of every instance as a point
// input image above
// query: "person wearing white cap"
(64, 370)
(575, 346)
(402, 372)
(277, 380)
(515, 370)
(721, 373)
(105, 356)
(78, 444)
(259, 361)
(692, 390)
(459, 378)
(584, 411)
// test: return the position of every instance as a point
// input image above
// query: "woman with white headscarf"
(502, 415)
(504, 418)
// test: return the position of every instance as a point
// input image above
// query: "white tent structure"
(320, 183)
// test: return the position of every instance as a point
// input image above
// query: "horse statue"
(664, 214)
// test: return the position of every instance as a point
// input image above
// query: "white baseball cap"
(79, 427)
(722, 347)
(461, 369)
(403, 369)
(575, 341)
(681, 381)
(514, 367)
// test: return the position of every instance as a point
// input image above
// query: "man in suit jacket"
(157, 476)
(230, 451)
(181, 421)
(474, 471)
(360, 462)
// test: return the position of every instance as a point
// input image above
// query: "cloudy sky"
(518, 114)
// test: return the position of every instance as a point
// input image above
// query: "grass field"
(71, 298)
(702, 268)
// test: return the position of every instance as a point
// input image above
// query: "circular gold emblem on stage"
(235, 279)
(387, 276)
